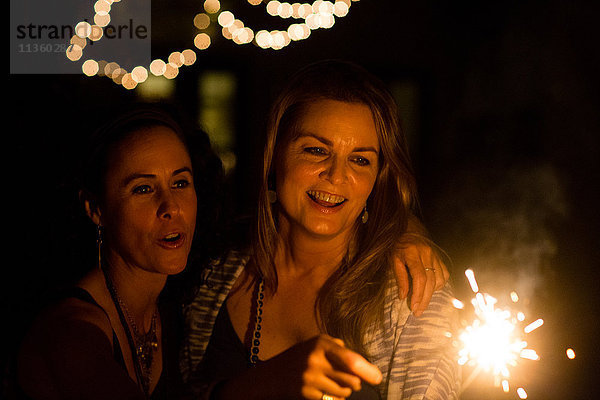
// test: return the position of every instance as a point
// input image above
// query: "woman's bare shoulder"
(67, 319)
(68, 353)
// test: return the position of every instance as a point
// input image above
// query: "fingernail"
(379, 378)
(416, 311)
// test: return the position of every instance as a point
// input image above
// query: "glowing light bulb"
(189, 57)
(202, 41)
(202, 21)
(212, 6)
(128, 82)
(226, 19)
(90, 67)
(158, 67)
(102, 6)
(74, 52)
(102, 19)
(273, 7)
(139, 74)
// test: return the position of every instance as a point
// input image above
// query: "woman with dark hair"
(146, 182)
(311, 310)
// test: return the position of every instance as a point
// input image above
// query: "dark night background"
(501, 107)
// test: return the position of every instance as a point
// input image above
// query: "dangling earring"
(99, 243)
(272, 196)
(365, 216)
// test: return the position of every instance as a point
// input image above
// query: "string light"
(304, 17)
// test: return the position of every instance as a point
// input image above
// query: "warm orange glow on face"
(325, 174)
(149, 195)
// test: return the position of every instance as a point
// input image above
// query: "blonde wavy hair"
(352, 299)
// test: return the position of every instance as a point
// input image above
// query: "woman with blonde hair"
(312, 309)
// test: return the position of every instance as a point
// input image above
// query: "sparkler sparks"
(570, 354)
(494, 341)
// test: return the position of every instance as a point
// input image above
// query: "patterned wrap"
(415, 354)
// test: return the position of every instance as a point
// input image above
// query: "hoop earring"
(99, 244)
(365, 216)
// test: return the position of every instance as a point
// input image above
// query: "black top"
(170, 385)
(226, 356)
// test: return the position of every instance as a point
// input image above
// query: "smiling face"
(149, 207)
(326, 171)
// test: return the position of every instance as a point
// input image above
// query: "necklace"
(255, 348)
(143, 345)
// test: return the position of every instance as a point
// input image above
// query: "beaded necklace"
(142, 346)
(255, 348)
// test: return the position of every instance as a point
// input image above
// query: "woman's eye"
(142, 189)
(182, 183)
(361, 161)
(317, 151)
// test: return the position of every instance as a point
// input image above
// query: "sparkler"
(494, 341)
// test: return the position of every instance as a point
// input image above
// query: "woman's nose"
(336, 171)
(168, 206)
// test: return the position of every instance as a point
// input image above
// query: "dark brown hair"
(207, 173)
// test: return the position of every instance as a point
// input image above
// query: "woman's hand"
(427, 273)
(319, 366)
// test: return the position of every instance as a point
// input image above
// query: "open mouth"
(172, 237)
(325, 199)
(172, 240)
